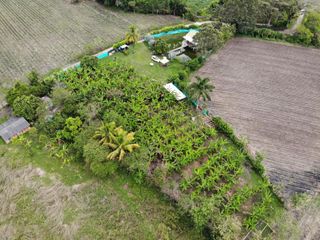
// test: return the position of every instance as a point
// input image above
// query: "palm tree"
(132, 35)
(201, 89)
(121, 143)
(103, 134)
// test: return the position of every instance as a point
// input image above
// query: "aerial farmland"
(270, 93)
(45, 35)
(166, 119)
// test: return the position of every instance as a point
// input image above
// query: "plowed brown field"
(270, 93)
(46, 34)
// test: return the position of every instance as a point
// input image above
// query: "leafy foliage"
(132, 35)
(26, 106)
(201, 89)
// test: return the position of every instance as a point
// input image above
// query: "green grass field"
(139, 57)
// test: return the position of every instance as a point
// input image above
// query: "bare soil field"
(47, 34)
(270, 93)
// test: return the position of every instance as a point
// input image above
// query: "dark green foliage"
(213, 36)
(241, 13)
(174, 7)
(194, 64)
(26, 106)
(19, 90)
(277, 13)
(52, 126)
(303, 35)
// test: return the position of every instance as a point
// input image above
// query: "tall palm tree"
(201, 89)
(103, 134)
(121, 143)
(132, 35)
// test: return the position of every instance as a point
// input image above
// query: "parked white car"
(155, 58)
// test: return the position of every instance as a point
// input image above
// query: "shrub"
(303, 35)
(71, 129)
(312, 22)
(95, 156)
(19, 90)
(89, 62)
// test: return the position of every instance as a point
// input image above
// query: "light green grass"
(139, 57)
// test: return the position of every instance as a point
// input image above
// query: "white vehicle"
(155, 58)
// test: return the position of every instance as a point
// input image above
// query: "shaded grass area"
(139, 57)
(90, 208)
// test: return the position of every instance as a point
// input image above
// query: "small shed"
(170, 87)
(14, 127)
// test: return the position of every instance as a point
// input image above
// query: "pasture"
(270, 92)
(45, 35)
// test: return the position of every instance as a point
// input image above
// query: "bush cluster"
(307, 34)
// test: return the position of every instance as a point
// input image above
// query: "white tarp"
(171, 88)
(164, 61)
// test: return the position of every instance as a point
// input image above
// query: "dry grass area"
(270, 93)
(37, 204)
(47, 34)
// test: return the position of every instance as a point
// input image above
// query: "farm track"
(270, 93)
(44, 34)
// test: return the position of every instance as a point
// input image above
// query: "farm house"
(13, 127)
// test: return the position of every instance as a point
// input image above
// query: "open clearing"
(46, 201)
(270, 93)
(47, 34)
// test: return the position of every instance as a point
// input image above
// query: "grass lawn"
(139, 57)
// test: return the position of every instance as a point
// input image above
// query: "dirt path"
(298, 22)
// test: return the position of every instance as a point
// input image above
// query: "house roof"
(175, 91)
(13, 127)
(189, 37)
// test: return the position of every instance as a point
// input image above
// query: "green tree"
(241, 13)
(71, 129)
(19, 90)
(121, 143)
(208, 39)
(201, 89)
(132, 35)
(26, 106)
(103, 134)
